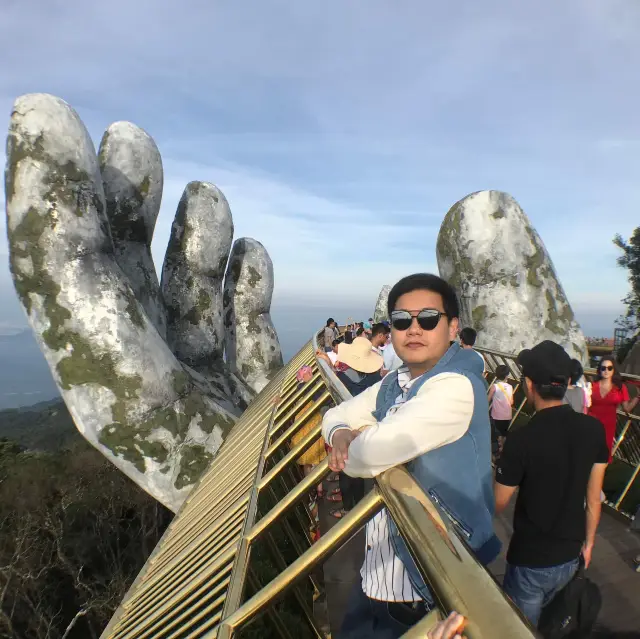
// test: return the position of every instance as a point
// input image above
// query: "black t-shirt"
(550, 459)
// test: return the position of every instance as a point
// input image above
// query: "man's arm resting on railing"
(593, 510)
(353, 414)
(439, 414)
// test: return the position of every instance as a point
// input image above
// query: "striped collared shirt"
(384, 576)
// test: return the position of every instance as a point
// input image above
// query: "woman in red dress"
(608, 393)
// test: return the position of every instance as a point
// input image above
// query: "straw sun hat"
(360, 356)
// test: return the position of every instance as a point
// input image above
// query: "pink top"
(501, 405)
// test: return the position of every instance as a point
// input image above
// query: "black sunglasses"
(606, 368)
(428, 319)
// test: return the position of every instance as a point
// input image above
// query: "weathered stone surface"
(192, 275)
(252, 347)
(131, 169)
(157, 419)
(509, 290)
(380, 313)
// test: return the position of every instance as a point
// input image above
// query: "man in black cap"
(557, 460)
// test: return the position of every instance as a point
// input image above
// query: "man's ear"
(529, 387)
(454, 325)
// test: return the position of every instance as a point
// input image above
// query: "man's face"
(417, 346)
(379, 340)
(334, 348)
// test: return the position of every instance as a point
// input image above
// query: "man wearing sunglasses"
(432, 416)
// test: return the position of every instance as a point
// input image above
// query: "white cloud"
(341, 133)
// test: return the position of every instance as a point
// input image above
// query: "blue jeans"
(531, 589)
(367, 618)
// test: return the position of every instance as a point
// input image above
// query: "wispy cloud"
(341, 132)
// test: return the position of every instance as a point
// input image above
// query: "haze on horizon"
(341, 133)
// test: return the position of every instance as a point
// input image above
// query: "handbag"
(572, 613)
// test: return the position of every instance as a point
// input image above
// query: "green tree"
(74, 533)
(630, 259)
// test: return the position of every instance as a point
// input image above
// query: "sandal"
(338, 513)
(334, 498)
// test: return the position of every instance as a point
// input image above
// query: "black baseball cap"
(546, 363)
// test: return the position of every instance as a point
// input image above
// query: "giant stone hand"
(141, 366)
(508, 287)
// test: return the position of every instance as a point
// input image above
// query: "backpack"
(572, 613)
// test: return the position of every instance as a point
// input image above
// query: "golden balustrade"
(239, 559)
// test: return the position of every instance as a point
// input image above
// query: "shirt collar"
(404, 378)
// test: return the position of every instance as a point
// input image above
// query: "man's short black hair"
(425, 282)
(546, 391)
(330, 321)
(380, 329)
(468, 336)
(335, 342)
(360, 331)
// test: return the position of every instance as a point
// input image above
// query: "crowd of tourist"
(421, 399)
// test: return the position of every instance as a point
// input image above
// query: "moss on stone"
(134, 312)
(198, 311)
(558, 320)
(254, 276)
(128, 442)
(17, 151)
(194, 460)
(479, 315)
(532, 264)
(145, 186)
(256, 353)
(84, 366)
(234, 269)
(252, 324)
(498, 213)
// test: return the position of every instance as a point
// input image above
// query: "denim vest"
(457, 477)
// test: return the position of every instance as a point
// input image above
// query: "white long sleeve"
(439, 414)
(354, 413)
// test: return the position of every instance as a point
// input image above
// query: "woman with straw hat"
(361, 370)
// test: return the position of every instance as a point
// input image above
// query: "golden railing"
(241, 545)
(626, 447)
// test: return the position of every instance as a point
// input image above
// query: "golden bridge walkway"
(238, 559)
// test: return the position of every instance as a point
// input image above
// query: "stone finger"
(192, 274)
(132, 178)
(252, 347)
(509, 291)
(126, 391)
(381, 313)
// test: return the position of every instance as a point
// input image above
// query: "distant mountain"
(24, 375)
(44, 426)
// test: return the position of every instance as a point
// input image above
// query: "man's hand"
(340, 448)
(324, 356)
(587, 549)
(450, 628)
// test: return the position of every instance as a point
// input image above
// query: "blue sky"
(342, 131)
